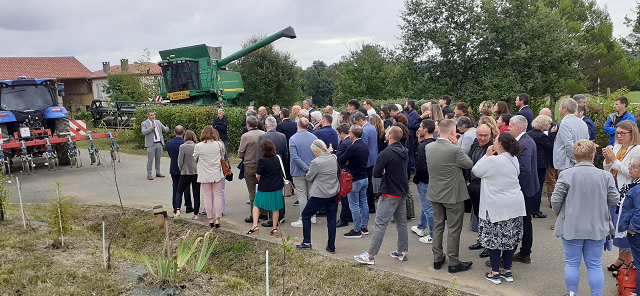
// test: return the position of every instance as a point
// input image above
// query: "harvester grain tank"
(197, 74)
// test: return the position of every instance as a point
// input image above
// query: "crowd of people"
(495, 169)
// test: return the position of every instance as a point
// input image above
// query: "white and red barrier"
(78, 127)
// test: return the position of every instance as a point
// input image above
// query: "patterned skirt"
(503, 235)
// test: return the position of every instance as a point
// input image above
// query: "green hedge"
(193, 118)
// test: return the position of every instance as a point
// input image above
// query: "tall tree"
(317, 84)
(632, 42)
(366, 73)
(270, 76)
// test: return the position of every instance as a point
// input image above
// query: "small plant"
(286, 248)
(168, 268)
(451, 289)
(60, 211)
(4, 197)
(186, 247)
(164, 265)
(205, 252)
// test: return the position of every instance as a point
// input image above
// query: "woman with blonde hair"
(617, 160)
(188, 173)
(581, 201)
(436, 112)
(491, 123)
(208, 154)
(485, 109)
(544, 150)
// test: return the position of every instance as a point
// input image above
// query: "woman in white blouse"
(501, 204)
(208, 154)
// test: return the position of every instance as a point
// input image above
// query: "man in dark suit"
(522, 102)
(581, 113)
(345, 142)
(447, 193)
(286, 126)
(173, 149)
(276, 112)
(282, 149)
(445, 101)
(412, 115)
(528, 178)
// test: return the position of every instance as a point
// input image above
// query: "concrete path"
(95, 185)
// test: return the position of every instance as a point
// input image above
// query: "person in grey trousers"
(152, 130)
(391, 166)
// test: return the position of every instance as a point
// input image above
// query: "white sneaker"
(177, 215)
(313, 220)
(418, 231)
(296, 224)
(426, 239)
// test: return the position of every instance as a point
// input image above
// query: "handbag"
(287, 190)
(346, 183)
(225, 166)
(627, 280)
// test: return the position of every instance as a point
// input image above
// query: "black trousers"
(175, 179)
(183, 186)
(535, 205)
(371, 198)
(527, 231)
(345, 213)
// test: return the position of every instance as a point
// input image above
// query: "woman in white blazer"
(208, 154)
(617, 160)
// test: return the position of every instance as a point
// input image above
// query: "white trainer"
(313, 220)
(418, 231)
(296, 224)
(426, 239)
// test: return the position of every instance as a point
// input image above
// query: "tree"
(367, 73)
(133, 84)
(632, 42)
(317, 84)
(270, 76)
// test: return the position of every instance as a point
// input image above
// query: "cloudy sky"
(96, 32)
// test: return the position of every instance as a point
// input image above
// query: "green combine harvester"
(197, 75)
(194, 75)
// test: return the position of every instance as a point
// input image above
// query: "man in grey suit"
(152, 130)
(447, 192)
(282, 148)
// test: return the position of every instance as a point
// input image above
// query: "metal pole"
(24, 223)
(267, 260)
(166, 230)
(104, 252)
(60, 216)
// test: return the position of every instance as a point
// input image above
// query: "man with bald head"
(478, 149)
(300, 157)
(262, 114)
(295, 109)
(335, 115)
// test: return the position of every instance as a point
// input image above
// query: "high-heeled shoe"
(255, 231)
(274, 233)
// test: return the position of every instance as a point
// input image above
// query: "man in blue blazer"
(522, 102)
(286, 126)
(326, 133)
(529, 183)
(173, 149)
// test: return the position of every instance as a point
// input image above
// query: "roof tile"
(42, 67)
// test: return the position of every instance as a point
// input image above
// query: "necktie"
(155, 133)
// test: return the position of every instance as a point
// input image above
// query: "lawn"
(634, 97)
(32, 262)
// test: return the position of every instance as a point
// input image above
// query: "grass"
(634, 97)
(29, 266)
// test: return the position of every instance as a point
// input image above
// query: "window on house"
(99, 90)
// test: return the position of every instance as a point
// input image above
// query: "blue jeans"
(426, 218)
(634, 243)
(358, 204)
(314, 204)
(574, 250)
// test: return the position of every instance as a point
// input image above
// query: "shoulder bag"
(223, 164)
(288, 187)
(345, 180)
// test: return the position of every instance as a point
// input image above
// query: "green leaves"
(205, 252)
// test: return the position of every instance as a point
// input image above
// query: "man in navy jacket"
(345, 142)
(286, 126)
(522, 102)
(412, 115)
(173, 149)
(529, 183)
(326, 133)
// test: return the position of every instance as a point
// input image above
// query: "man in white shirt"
(368, 104)
(152, 129)
(336, 116)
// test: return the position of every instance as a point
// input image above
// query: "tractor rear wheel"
(62, 149)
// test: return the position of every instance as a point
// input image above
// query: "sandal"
(613, 267)
(255, 231)
(274, 233)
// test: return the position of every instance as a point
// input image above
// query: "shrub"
(193, 118)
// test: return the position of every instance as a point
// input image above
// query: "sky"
(96, 32)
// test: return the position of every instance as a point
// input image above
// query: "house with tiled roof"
(67, 70)
(99, 78)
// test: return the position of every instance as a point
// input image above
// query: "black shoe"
(341, 223)
(248, 220)
(477, 246)
(485, 253)
(463, 266)
(189, 210)
(267, 224)
(329, 250)
(438, 264)
(537, 215)
(372, 211)
(263, 217)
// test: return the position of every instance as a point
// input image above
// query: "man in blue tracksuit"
(621, 114)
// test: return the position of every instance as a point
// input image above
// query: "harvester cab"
(198, 75)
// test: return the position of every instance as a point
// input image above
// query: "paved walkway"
(95, 185)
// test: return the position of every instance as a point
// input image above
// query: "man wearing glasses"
(571, 130)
